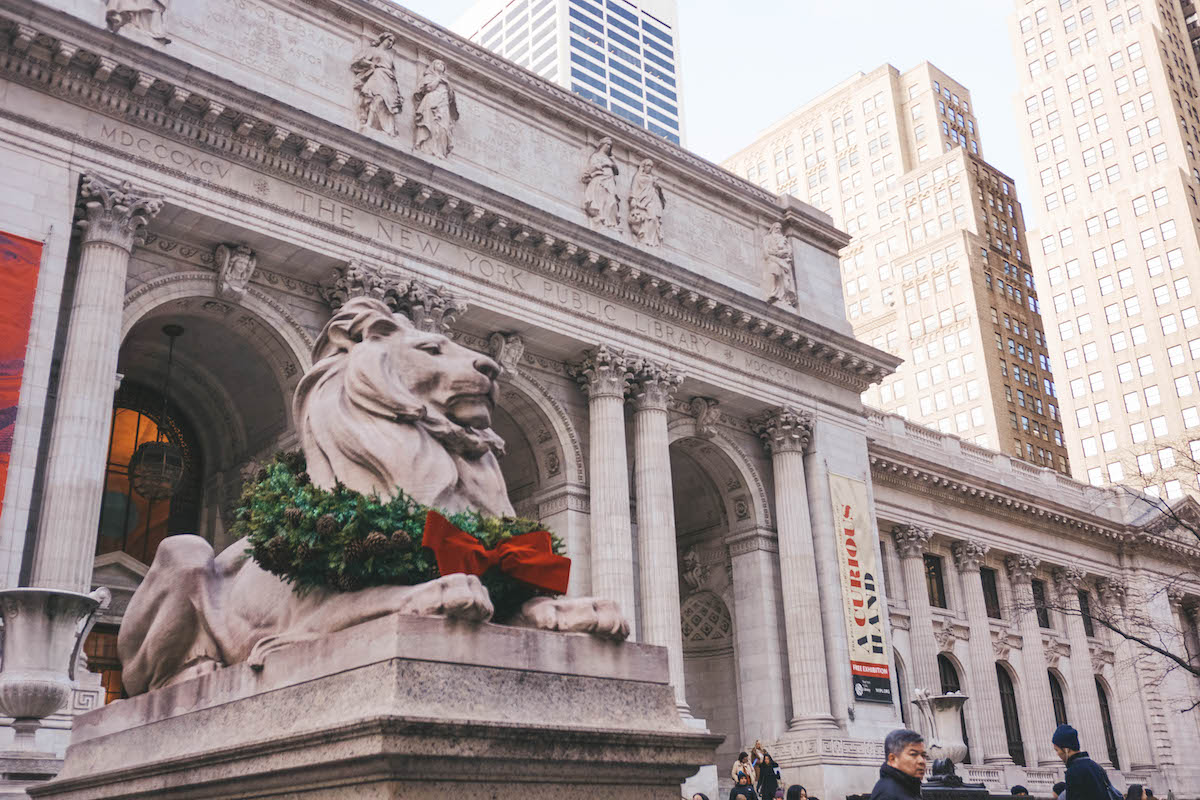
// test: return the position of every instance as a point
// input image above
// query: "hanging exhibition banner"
(19, 262)
(860, 590)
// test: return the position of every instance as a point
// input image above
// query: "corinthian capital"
(432, 309)
(784, 430)
(604, 372)
(968, 555)
(112, 212)
(1069, 579)
(911, 540)
(1022, 568)
(356, 279)
(653, 385)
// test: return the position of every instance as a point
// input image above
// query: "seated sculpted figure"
(384, 407)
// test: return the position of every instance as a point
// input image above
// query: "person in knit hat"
(1086, 780)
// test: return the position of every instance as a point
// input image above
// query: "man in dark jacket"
(743, 789)
(900, 777)
(1086, 780)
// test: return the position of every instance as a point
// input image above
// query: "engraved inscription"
(135, 141)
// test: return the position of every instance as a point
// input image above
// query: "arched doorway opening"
(948, 673)
(1012, 719)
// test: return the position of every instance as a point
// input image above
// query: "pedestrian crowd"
(756, 776)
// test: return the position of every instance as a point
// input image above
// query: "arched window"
(1012, 720)
(128, 522)
(1057, 699)
(1110, 740)
(950, 683)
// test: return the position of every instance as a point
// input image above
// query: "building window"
(128, 522)
(1012, 720)
(951, 683)
(991, 597)
(1085, 611)
(1110, 740)
(101, 650)
(934, 582)
(1039, 603)
(1057, 699)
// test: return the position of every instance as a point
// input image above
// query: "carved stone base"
(401, 706)
(829, 764)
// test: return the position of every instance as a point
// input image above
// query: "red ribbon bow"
(529, 557)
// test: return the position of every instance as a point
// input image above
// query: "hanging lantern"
(157, 467)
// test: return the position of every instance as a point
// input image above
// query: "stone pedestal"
(414, 707)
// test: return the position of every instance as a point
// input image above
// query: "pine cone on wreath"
(261, 475)
(294, 516)
(303, 551)
(302, 478)
(356, 550)
(327, 525)
(348, 583)
(375, 543)
(400, 538)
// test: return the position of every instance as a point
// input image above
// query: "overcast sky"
(745, 64)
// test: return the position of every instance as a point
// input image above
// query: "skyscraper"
(938, 271)
(621, 55)
(1110, 132)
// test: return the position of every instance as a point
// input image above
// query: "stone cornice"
(215, 116)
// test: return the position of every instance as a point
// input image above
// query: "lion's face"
(446, 377)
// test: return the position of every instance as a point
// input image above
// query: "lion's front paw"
(574, 615)
(457, 595)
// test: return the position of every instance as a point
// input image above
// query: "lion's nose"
(488, 367)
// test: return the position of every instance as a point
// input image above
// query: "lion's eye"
(433, 348)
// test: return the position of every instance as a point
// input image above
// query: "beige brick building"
(1110, 134)
(937, 271)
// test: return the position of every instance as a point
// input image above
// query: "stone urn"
(943, 719)
(43, 632)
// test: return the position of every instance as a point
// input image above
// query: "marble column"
(985, 690)
(786, 433)
(1135, 733)
(111, 218)
(754, 556)
(653, 385)
(1035, 680)
(922, 647)
(604, 374)
(1085, 710)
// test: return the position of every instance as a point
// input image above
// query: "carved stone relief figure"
(378, 93)
(377, 412)
(646, 205)
(235, 268)
(705, 409)
(436, 113)
(137, 17)
(781, 271)
(693, 572)
(601, 202)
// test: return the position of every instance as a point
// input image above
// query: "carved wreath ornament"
(344, 540)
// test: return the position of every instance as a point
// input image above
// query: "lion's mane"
(362, 425)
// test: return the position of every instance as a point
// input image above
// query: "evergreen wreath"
(344, 540)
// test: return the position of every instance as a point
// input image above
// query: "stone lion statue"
(385, 406)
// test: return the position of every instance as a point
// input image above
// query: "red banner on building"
(19, 262)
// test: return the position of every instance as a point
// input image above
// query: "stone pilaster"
(1134, 736)
(604, 374)
(111, 219)
(911, 541)
(985, 700)
(786, 433)
(1085, 711)
(1021, 571)
(653, 385)
(754, 557)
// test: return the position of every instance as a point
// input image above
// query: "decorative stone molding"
(113, 213)
(784, 430)
(653, 384)
(1022, 568)
(432, 309)
(749, 541)
(604, 372)
(1112, 592)
(1102, 659)
(692, 572)
(1176, 596)
(705, 410)
(1068, 580)
(947, 632)
(969, 554)
(911, 539)
(1055, 650)
(507, 349)
(235, 268)
(356, 279)
(1003, 643)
